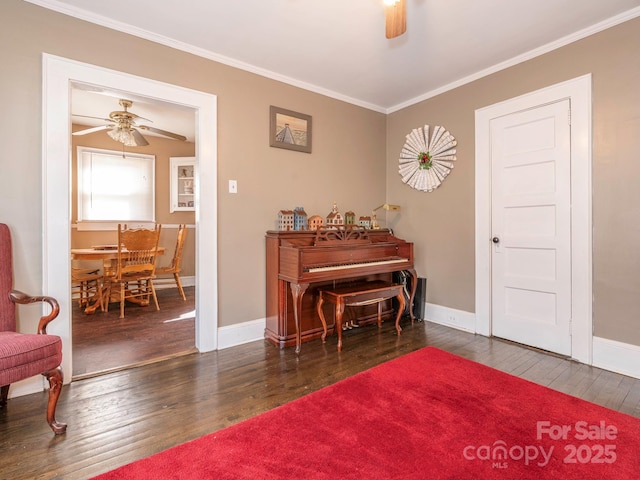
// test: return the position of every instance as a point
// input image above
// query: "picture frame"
(289, 130)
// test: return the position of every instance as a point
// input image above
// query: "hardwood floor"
(104, 342)
(126, 415)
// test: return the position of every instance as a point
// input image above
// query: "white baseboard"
(450, 317)
(240, 333)
(617, 357)
(30, 385)
(162, 283)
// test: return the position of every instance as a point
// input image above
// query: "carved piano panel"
(297, 264)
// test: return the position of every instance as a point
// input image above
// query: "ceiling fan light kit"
(395, 12)
(123, 136)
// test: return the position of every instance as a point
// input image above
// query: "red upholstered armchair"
(23, 355)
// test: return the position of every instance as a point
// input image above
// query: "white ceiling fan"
(123, 126)
(395, 13)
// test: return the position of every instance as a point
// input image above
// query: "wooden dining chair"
(86, 285)
(135, 266)
(174, 268)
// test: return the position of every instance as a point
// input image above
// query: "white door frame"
(578, 91)
(58, 73)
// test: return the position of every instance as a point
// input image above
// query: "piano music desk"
(367, 293)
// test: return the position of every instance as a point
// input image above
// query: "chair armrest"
(19, 297)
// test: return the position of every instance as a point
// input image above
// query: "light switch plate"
(233, 186)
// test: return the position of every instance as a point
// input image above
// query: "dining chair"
(86, 285)
(135, 266)
(174, 268)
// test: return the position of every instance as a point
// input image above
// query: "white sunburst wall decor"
(425, 162)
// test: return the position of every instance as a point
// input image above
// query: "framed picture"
(290, 130)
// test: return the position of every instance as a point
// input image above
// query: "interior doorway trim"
(58, 74)
(578, 91)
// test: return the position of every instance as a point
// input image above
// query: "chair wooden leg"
(153, 292)
(179, 283)
(100, 293)
(55, 378)
(106, 296)
(122, 299)
(4, 394)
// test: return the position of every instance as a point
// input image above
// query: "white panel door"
(531, 227)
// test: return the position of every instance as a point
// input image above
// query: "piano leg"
(414, 286)
(321, 316)
(297, 291)
(401, 301)
(339, 314)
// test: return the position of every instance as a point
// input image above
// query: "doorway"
(109, 181)
(58, 75)
(578, 343)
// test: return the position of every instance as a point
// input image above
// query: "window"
(114, 188)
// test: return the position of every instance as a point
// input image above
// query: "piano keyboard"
(345, 266)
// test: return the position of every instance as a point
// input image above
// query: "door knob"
(495, 240)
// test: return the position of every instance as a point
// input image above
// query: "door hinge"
(569, 116)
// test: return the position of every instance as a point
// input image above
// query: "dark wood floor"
(104, 342)
(123, 416)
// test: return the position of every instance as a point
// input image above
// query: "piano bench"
(367, 293)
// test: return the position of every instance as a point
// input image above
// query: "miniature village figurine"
(334, 218)
(285, 220)
(299, 219)
(315, 222)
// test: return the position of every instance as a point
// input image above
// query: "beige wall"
(348, 140)
(347, 164)
(442, 222)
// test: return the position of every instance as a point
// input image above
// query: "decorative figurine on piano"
(316, 222)
(285, 220)
(350, 218)
(335, 217)
(299, 219)
(365, 221)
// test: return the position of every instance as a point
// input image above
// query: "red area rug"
(426, 415)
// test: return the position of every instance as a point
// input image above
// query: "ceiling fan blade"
(140, 140)
(91, 130)
(95, 118)
(163, 132)
(395, 19)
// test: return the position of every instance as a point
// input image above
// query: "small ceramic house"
(365, 222)
(315, 222)
(299, 219)
(285, 220)
(349, 218)
(334, 218)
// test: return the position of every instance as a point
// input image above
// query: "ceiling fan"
(123, 127)
(395, 13)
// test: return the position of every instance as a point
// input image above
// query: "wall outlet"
(233, 186)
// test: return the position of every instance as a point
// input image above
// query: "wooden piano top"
(293, 253)
(307, 237)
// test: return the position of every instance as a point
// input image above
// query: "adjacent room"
(147, 179)
(243, 232)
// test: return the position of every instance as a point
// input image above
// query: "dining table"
(108, 255)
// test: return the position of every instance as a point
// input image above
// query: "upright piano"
(298, 263)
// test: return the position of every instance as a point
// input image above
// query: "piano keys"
(298, 263)
(347, 266)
